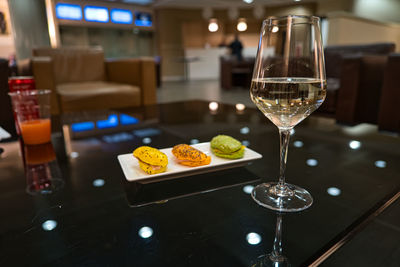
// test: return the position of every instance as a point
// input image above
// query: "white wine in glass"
(288, 85)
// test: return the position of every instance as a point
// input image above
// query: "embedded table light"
(49, 225)
(145, 232)
(354, 144)
(298, 144)
(146, 140)
(245, 130)
(98, 183)
(74, 155)
(312, 162)
(380, 164)
(334, 191)
(248, 189)
(246, 143)
(253, 238)
(194, 141)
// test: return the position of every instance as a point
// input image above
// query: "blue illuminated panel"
(68, 11)
(82, 126)
(111, 122)
(96, 14)
(127, 120)
(121, 16)
(143, 19)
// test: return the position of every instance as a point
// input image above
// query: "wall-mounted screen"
(96, 14)
(68, 11)
(143, 19)
(121, 16)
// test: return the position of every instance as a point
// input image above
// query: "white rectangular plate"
(132, 171)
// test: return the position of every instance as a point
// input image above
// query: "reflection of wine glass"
(288, 85)
(275, 258)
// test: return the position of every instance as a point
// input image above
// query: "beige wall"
(326, 6)
(345, 29)
(6, 38)
(383, 10)
(180, 28)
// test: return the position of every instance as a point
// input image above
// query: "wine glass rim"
(279, 18)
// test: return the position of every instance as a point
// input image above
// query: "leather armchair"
(389, 114)
(342, 63)
(81, 79)
(6, 113)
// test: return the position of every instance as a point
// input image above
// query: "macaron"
(225, 146)
(151, 160)
(190, 156)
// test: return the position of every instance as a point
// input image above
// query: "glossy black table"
(92, 216)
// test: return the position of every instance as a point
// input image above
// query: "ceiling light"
(275, 29)
(213, 106)
(241, 26)
(297, 0)
(240, 107)
(248, 1)
(213, 25)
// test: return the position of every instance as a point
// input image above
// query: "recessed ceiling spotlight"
(297, 0)
(248, 1)
(213, 25)
(242, 25)
(213, 106)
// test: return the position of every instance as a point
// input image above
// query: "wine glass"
(288, 85)
(275, 258)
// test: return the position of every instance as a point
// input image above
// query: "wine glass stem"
(277, 247)
(284, 135)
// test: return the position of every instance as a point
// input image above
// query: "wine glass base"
(270, 260)
(291, 198)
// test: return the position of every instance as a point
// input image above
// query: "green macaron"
(225, 146)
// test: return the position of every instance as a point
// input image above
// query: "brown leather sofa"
(389, 114)
(347, 71)
(81, 79)
(360, 89)
(235, 73)
(6, 114)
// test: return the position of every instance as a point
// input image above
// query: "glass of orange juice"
(32, 109)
